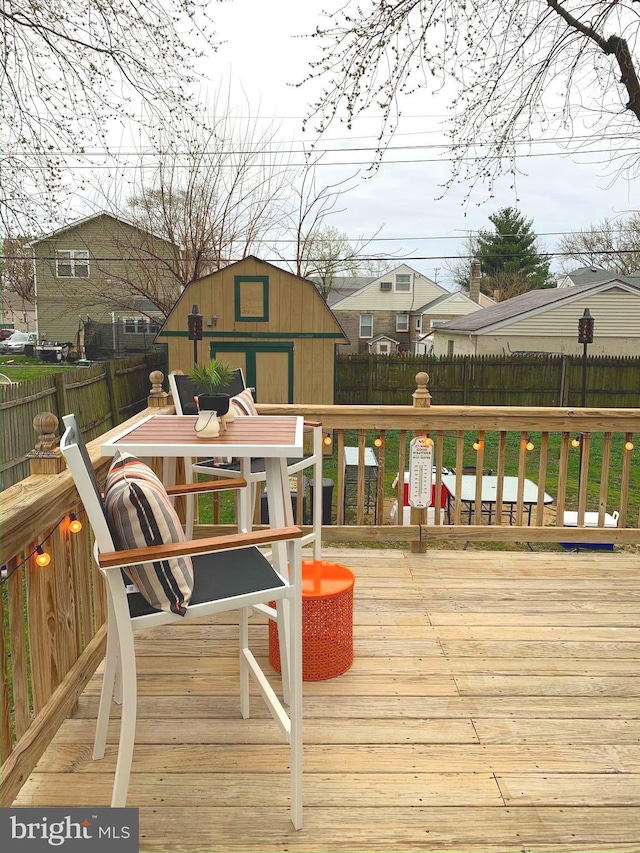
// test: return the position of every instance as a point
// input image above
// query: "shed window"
(72, 263)
(366, 325)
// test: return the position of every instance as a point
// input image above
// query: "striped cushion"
(139, 514)
(243, 404)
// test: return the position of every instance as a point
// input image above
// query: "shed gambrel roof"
(530, 303)
(185, 298)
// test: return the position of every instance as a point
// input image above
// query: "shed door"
(267, 367)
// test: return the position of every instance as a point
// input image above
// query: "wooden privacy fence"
(513, 380)
(103, 394)
(52, 616)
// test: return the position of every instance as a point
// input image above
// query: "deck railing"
(53, 615)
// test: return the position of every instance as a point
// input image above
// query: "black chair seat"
(216, 576)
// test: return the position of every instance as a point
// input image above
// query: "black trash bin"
(264, 508)
(327, 500)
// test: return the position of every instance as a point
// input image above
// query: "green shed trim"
(274, 335)
(250, 351)
(237, 282)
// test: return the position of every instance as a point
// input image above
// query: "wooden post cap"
(46, 457)
(421, 396)
(157, 397)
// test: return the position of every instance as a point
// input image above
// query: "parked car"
(6, 333)
(16, 344)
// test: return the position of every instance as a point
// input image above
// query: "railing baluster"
(502, 454)
(624, 485)
(380, 480)
(5, 704)
(604, 477)
(562, 479)
(542, 477)
(361, 478)
(341, 479)
(18, 641)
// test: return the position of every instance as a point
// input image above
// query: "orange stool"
(327, 621)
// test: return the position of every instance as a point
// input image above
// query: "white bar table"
(272, 437)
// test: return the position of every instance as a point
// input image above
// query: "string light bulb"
(428, 441)
(628, 445)
(327, 440)
(528, 444)
(42, 558)
(75, 525)
(379, 441)
(477, 444)
(575, 442)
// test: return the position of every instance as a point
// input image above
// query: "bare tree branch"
(516, 70)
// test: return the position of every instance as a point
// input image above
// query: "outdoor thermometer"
(420, 472)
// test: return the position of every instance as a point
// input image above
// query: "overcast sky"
(264, 55)
(560, 193)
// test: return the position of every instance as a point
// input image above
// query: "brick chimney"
(474, 280)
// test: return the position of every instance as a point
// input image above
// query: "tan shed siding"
(296, 309)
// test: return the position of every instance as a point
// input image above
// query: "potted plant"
(208, 379)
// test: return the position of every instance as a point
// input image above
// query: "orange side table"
(327, 621)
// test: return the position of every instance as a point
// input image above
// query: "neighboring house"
(547, 321)
(101, 272)
(593, 275)
(273, 324)
(391, 313)
(17, 312)
(384, 345)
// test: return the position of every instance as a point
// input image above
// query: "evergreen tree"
(509, 257)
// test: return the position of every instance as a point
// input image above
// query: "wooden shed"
(273, 324)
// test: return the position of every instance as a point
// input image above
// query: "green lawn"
(20, 368)
(392, 439)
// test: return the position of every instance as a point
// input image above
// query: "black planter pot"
(218, 403)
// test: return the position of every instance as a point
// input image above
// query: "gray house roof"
(593, 275)
(344, 285)
(533, 300)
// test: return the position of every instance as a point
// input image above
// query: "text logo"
(70, 830)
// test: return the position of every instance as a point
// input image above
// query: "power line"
(120, 151)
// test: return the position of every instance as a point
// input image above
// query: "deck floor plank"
(493, 705)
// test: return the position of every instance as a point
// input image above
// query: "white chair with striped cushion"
(181, 580)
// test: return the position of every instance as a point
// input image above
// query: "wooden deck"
(493, 705)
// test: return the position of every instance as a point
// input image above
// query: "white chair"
(252, 470)
(230, 572)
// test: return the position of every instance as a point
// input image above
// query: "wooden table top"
(174, 435)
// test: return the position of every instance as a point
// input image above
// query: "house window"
(366, 325)
(449, 347)
(72, 263)
(140, 326)
(403, 282)
(383, 348)
(418, 324)
(402, 322)
(436, 323)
